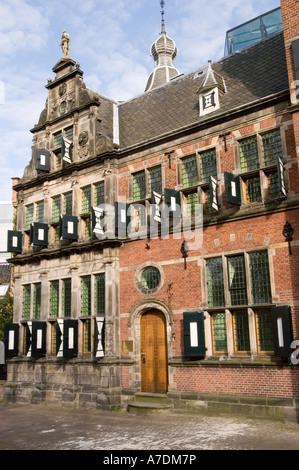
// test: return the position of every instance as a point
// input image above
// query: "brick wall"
(266, 381)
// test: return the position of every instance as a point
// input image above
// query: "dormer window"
(209, 102)
(211, 87)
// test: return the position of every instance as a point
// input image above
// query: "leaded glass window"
(68, 203)
(87, 336)
(208, 165)
(215, 282)
(237, 280)
(69, 133)
(55, 208)
(150, 278)
(99, 293)
(66, 297)
(249, 154)
(260, 277)
(29, 216)
(192, 204)
(86, 200)
(139, 188)
(253, 189)
(208, 201)
(57, 140)
(40, 211)
(85, 295)
(99, 193)
(219, 332)
(189, 171)
(155, 180)
(54, 298)
(37, 301)
(272, 147)
(26, 301)
(264, 331)
(87, 227)
(241, 331)
(274, 185)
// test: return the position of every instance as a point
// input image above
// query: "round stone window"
(149, 280)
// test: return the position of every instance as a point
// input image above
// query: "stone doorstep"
(148, 403)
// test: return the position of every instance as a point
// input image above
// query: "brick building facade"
(156, 244)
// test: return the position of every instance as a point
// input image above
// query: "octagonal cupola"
(164, 51)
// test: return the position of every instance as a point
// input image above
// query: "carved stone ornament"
(62, 89)
(83, 138)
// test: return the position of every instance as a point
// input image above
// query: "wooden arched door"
(154, 369)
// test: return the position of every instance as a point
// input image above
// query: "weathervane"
(162, 3)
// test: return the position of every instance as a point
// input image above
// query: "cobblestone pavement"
(39, 427)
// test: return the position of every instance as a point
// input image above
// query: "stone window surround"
(228, 309)
(263, 171)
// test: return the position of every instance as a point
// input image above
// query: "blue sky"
(111, 41)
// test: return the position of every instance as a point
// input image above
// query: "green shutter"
(172, 199)
(14, 241)
(280, 170)
(213, 193)
(122, 219)
(70, 338)
(38, 339)
(68, 227)
(97, 221)
(99, 337)
(232, 189)
(194, 334)
(42, 160)
(282, 330)
(11, 340)
(39, 234)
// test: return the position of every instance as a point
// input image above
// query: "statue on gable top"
(65, 44)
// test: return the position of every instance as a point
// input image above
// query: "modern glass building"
(253, 31)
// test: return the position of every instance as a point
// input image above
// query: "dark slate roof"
(250, 75)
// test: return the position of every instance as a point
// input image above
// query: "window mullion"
(225, 281)
(248, 279)
(252, 332)
(229, 332)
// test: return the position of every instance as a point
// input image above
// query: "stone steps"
(149, 403)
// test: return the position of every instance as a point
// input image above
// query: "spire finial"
(162, 3)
